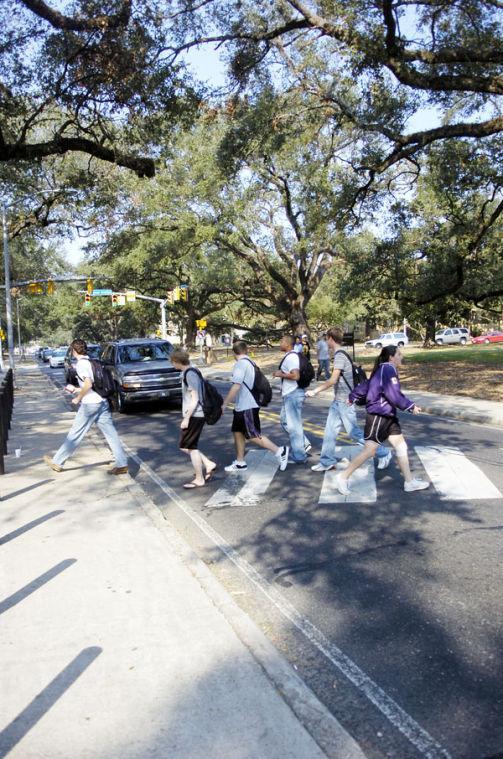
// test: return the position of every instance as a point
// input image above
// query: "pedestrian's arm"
(231, 395)
(86, 387)
(334, 378)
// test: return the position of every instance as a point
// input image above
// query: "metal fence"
(6, 406)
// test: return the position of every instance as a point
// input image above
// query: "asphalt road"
(390, 610)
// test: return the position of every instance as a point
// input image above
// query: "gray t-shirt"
(191, 380)
(341, 390)
(244, 372)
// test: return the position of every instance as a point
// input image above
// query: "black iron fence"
(6, 406)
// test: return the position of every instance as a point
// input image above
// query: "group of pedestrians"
(381, 394)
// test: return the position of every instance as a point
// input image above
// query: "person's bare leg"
(400, 446)
(209, 465)
(369, 450)
(240, 443)
(197, 463)
(264, 442)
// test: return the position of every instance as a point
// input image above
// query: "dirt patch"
(454, 378)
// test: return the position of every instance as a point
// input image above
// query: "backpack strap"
(194, 369)
(342, 370)
(283, 359)
(254, 366)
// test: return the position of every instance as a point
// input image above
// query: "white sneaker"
(321, 468)
(415, 484)
(342, 485)
(237, 466)
(282, 455)
(342, 464)
(384, 461)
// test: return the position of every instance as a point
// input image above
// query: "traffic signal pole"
(8, 299)
(162, 303)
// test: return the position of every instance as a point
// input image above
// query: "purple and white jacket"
(381, 393)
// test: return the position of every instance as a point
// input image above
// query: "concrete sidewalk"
(110, 647)
(451, 406)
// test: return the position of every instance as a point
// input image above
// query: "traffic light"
(87, 299)
(184, 293)
(170, 297)
(89, 286)
(115, 299)
(50, 287)
(35, 288)
(176, 294)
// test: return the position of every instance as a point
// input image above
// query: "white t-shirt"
(85, 371)
(244, 372)
(290, 363)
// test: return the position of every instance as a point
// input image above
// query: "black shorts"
(247, 422)
(189, 438)
(379, 428)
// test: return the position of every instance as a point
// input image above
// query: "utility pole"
(8, 299)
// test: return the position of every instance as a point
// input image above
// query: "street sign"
(201, 323)
(121, 299)
(130, 296)
(103, 292)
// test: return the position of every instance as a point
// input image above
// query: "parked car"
(389, 338)
(452, 336)
(46, 353)
(93, 351)
(142, 371)
(57, 358)
(40, 352)
(495, 336)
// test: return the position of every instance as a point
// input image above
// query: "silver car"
(389, 338)
(452, 336)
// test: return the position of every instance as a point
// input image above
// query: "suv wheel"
(462, 341)
(378, 345)
(401, 344)
(119, 402)
(439, 341)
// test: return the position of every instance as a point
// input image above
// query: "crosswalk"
(453, 475)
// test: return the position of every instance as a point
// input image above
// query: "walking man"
(341, 413)
(293, 400)
(93, 410)
(323, 357)
(192, 420)
(246, 419)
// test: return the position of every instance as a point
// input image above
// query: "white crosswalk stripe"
(454, 476)
(246, 488)
(362, 482)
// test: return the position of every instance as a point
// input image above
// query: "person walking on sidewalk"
(341, 413)
(323, 356)
(383, 397)
(192, 419)
(93, 410)
(246, 416)
(293, 398)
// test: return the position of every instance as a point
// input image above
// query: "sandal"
(192, 485)
(209, 475)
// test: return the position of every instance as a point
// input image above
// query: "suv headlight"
(130, 383)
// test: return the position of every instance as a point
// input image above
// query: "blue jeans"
(323, 366)
(341, 414)
(291, 421)
(87, 415)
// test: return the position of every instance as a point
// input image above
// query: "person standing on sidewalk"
(192, 419)
(383, 397)
(93, 410)
(323, 357)
(246, 419)
(293, 400)
(341, 413)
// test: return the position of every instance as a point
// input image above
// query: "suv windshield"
(147, 352)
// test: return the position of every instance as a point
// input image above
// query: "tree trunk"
(429, 338)
(297, 318)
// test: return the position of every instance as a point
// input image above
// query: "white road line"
(246, 488)
(454, 476)
(419, 737)
(362, 483)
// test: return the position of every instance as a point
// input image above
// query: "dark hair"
(181, 357)
(239, 347)
(291, 339)
(79, 346)
(384, 356)
(336, 334)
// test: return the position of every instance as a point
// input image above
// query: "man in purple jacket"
(382, 396)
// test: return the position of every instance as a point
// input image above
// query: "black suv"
(142, 371)
(93, 351)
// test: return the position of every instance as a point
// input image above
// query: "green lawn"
(488, 355)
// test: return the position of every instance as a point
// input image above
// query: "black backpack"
(358, 372)
(103, 382)
(261, 388)
(211, 401)
(306, 370)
